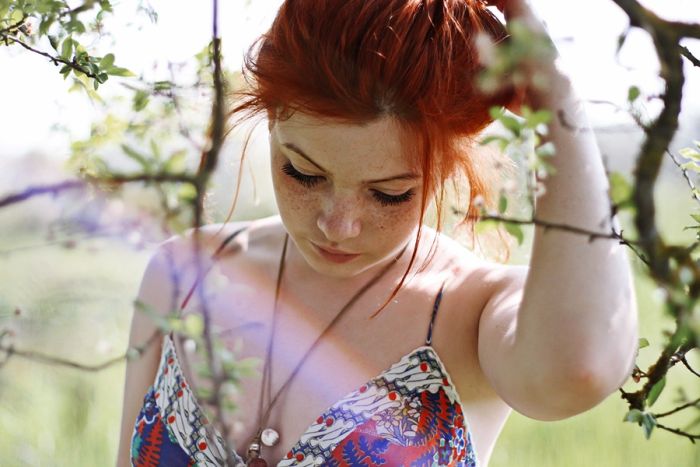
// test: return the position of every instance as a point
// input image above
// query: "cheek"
(394, 222)
(294, 200)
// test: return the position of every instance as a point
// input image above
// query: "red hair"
(358, 60)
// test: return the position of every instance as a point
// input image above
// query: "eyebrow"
(406, 176)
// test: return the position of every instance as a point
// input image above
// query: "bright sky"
(33, 95)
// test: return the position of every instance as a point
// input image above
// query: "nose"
(340, 219)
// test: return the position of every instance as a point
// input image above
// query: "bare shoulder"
(175, 263)
(470, 274)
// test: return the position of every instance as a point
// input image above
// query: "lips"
(334, 255)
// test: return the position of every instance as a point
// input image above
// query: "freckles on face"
(346, 187)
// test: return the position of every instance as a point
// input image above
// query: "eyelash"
(309, 181)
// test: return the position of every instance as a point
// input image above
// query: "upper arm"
(155, 293)
(497, 335)
(170, 274)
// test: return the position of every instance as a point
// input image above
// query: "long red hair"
(358, 60)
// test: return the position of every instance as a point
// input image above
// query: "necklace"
(268, 436)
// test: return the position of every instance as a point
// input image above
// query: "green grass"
(76, 303)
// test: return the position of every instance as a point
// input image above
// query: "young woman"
(384, 342)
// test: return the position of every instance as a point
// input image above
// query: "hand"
(537, 72)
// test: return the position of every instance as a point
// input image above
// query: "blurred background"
(70, 265)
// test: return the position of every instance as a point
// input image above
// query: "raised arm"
(558, 340)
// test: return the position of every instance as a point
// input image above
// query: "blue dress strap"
(436, 306)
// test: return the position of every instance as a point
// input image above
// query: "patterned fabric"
(409, 415)
(171, 429)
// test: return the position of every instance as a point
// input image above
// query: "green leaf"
(107, 61)
(502, 203)
(187, 192)
(634, 416)
(140, 100)
(155, 150)
(645, 419)
(648, 423)
(176, 162)
(655, 391)
(53, 40)
(643, 342)
(67, 48)
(117, 71)
(545, 150)
(633, 93)
(692, 165)
(621, 40)
(493, 138)
(516, 231)
(538, 118)
(620, 188)
(137, 156)
(496, 112)
(162, 85)
(484, 226)
(46, 24)
(689, 153)
(4, 7)
(512, 124)
(194, 325)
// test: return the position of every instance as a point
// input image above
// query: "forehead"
(377, 145)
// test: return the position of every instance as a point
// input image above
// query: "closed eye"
(306, 180)
(309, 181)
(392, 200)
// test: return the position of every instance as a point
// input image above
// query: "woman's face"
(348, 194)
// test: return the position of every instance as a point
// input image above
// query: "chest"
(308, 375)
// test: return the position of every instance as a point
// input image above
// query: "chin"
(335, 270)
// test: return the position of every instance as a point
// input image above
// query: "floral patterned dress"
(409, 415)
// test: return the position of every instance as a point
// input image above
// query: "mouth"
(334, 255)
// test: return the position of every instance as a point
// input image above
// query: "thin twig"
(10, 350)
(690, 436)
(685, 363)
(686, 175)
(33, 191)
(56, 60)
(87, 5)
(689, 55)
(677, 409)
(11, 28)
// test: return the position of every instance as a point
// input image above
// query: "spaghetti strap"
(226, 241)
(436, 306)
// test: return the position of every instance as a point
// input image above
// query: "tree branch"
(676, 431)
(592, 235)
(56, 60)
(30, 192)
(10, 351)
(678, 409)
(687, 54)
(13, 27)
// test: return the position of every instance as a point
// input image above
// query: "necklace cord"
(267, 371)
(266, 383)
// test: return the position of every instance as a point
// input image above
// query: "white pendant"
(269, 437)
